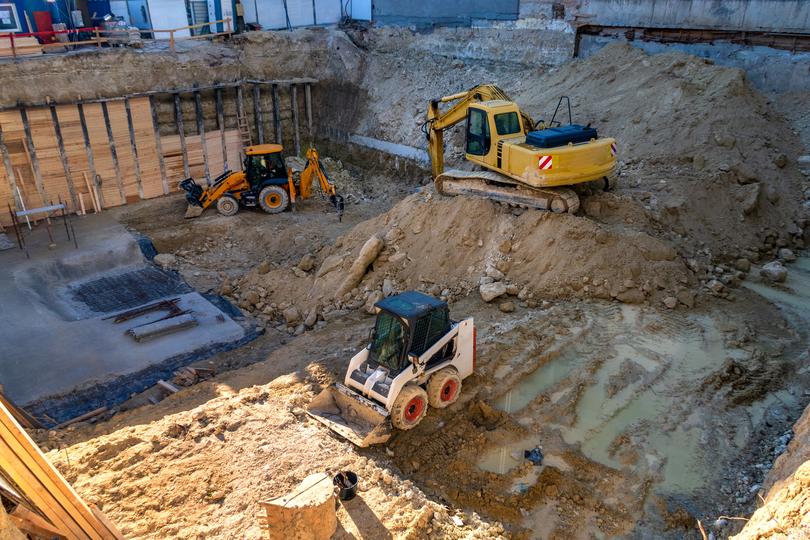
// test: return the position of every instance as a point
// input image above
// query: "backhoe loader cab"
(416, 358)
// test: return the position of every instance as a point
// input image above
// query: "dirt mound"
(700, 148)
(452, 246)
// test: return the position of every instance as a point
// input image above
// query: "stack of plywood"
(23, 46)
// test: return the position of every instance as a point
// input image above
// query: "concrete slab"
(55, 334)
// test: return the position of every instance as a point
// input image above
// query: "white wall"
(271, 12)
(165, 15)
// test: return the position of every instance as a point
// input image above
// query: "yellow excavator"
(265, 182)
(523, 163)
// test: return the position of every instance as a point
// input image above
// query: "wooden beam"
(308, 100)
(257, 112)
(276, 115)
(296, 135)
(28, 468)
(221, 126)
(159, 145)
(32, 151)
(201, 131)
(12, 178)
(134, 146)
(90, 161)
(60, 143)
(119, 179)
(178, 118)
(240, 113)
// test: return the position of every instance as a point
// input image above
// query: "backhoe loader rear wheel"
(444, 388)
(227, 205)
(273, 199)
(409, 407)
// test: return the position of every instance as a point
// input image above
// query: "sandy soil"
(649, 417)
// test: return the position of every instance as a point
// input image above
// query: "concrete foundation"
(56, 333)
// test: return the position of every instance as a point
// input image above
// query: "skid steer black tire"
(410, 407)
(273, 199)
(227, 205)
(444, 388)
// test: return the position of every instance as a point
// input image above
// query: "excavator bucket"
(350, 415)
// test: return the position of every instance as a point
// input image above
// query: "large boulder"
(306, 513)
(774, 271)
(491, 291)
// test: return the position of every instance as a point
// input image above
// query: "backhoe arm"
(438, 121)
(314, 170)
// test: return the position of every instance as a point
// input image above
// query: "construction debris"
(162, 327)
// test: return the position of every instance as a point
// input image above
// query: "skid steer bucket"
(351, 415)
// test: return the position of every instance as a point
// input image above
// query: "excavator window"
(507, 123)
(388, 341)
(478, 139)
(259, 167)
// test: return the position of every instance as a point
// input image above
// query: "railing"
(102, 35)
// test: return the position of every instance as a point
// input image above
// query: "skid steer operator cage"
(408, 323)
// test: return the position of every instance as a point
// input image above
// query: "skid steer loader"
(416, 358)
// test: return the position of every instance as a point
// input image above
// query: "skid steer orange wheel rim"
(414, 409)
(449, 390)
(272, 200)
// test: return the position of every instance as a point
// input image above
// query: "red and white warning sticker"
(545, 163)
(613, 149)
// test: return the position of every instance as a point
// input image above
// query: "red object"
(449, 390)
(44, 23)
(414, 409)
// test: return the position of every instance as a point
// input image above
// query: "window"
(478, 139)
(428, 330)
(388, 341)
(507, 123)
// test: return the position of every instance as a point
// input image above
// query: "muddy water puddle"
(633, 409)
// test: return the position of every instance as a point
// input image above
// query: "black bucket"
(346, 481)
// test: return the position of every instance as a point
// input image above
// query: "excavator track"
(497, 187)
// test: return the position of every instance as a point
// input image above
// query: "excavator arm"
(312, 172)
(438, 121)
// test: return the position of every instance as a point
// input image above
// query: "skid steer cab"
(416, 359)
(265, 182)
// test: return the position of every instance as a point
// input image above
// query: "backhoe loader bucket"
(351, 416)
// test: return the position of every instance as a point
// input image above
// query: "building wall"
(775, 15)
(446, 12)
(168, 14)
(271, 13)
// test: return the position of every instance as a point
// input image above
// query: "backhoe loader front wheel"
(410, 407)
(444, 388)
(273, 199)
(227, 205)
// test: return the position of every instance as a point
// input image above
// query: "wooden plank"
(308, 101)
(113, 153)
(57, 128)
(32, 152)
(28, 468)
(134, 147)
(156, 127)
(9, 168)
(257, 113)
(102, 154)
(198, 110)
(89, 151)
(20, 414)
(148, 154)
(221, 126)
(32, 523)
(296, 135)
(178, 117)
(277, 115)
(70, 125)
(123, 145)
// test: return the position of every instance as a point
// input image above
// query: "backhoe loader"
(416, 357)
(523, 163)
(265, 182)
